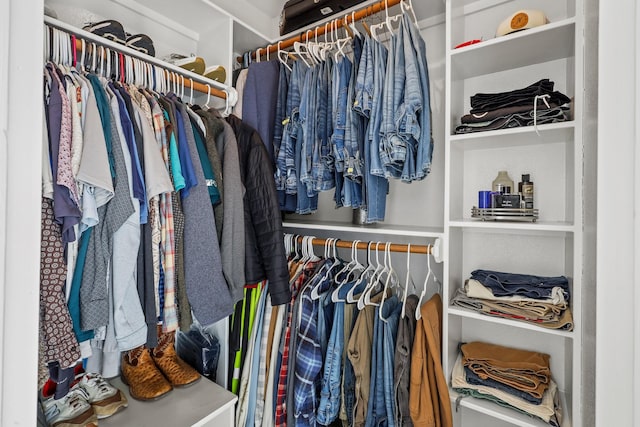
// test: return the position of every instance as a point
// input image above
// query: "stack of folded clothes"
(543, 301)
(513, 378)
(535, 104)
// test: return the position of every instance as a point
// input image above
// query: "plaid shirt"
(296, 285)
(167, 229)
(308, 360)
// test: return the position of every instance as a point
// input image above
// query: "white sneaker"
(73, 410)
(105, 399)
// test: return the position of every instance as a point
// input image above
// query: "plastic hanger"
(296, 47)
(372, 281)
(191, 91)
(208, 96)
(315, 292)
(352, 25)
(408, 281)
(426, 282)
(347, 270)
(409, 7)
(370, 269)
(283, 61)
(392, 279)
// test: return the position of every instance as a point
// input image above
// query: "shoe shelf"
(461, 312)
(201, 404)
(501, 413)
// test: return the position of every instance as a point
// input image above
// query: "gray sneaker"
(73, 410)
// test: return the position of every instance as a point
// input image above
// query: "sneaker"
(141, 43)
(192, 63)
(73, 410)
(109, 29)
(105, 398)
(216, 72)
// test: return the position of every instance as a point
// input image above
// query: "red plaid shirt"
(281, 397)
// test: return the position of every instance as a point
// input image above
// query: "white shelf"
(394, 230)
(461, 312)
(541, 44)
(204, 403)
(549, 134)
(555, 227)
(506, 414)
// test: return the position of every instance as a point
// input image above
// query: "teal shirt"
(174, 158)
(212, 185)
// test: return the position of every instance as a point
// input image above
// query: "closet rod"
(394, 247)
(360, 14)
(200, 83)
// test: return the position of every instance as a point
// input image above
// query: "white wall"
(618, 296)
(20, 148)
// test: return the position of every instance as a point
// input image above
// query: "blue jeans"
(373, 407)
(393, 148)
(340, 76)
(354, 162)
(364, 81)
(505, 284)
(473, 378)
(305, 204)
(419, 116)
(322, 173)
(380, 55)
(391, 312)
(330, 394)
(286, 203)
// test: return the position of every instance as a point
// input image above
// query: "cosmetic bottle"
(503, 183)
(526, 191)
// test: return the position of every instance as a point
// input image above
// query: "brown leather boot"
(178, 372)
(142, 376)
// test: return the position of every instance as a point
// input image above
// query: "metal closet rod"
(173, 72)
(320, 29)
(394, 247)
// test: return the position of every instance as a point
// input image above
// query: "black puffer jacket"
(265, 256)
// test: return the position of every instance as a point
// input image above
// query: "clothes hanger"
(424, 286)
(206, 104)
(352, 266)
(409, 8)
(352, 25)
(283, 61)
(365, 298)
(392, 279)
(372, 281)
(408, 281)
(370, 269)
(337, 264)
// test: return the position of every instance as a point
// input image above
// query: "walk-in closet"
(399, 212)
